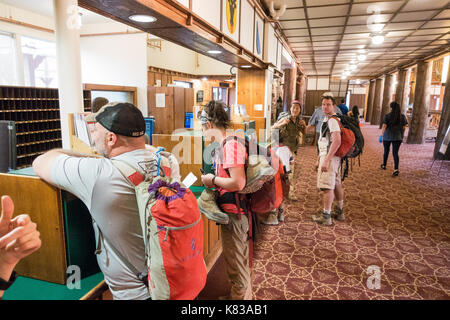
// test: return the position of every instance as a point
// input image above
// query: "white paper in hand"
(189, 180)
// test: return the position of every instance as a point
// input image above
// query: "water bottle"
(380, 139)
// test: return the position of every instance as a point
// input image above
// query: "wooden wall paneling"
(358, 100)
(164, 117)
(151, 79)
(212, 234)
(189, 100)
(313, 100)
(43, 203)
(251, 90)
(158, 76)
(178, 107)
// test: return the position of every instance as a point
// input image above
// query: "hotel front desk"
(67, 236)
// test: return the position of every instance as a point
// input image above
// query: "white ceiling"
(326, 34)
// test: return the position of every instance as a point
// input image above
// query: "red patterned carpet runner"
(397, 230)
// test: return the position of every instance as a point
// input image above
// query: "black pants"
(395, 147)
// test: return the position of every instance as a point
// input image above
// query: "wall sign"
(259, 36)
(200, 96)
(231, 18)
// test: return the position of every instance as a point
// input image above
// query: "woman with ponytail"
(394, 124)
(229, 178)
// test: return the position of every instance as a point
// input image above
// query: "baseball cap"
(121, 118)
(296, 102)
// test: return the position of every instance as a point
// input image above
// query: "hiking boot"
(338, 214)
(322, 218)
(317, 216)
(280, 214)
(396, 172)
(208, 206)
(271, 219)
(292, 197)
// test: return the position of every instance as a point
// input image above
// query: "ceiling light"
(362, 57)
(343, 77)
(346, 73)
(376, 27)
(204, 78)
(353, 67)
(142, 18)
(214, 51)
(378, 39)
(246, 66)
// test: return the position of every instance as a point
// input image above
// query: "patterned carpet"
(399, 225)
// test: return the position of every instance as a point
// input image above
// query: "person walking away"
(343, 107)
(392, 131)
(354, 113)
(328, 165)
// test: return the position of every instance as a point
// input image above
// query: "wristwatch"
(212, 181)
(6, 284)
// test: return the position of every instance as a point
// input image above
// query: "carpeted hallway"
(399, 224)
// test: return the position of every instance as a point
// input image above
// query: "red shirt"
(234, 155)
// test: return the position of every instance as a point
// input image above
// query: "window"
(183, 84)
(39, 62)
(8, 61)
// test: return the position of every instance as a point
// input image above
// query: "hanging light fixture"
(378, 38)
(361, 57)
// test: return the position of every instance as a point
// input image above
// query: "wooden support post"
(377, 102)
(401, 93)
(418, 125)
(290, 76)
(387, 96)
(301, 90)
(370, 100)
(445, 121)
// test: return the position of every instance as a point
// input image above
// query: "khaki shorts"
(330, 178)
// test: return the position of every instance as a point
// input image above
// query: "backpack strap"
(128, 171)
(135, 178)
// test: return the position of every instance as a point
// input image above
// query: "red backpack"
(172, 230)
(347, 140)
(268, 195)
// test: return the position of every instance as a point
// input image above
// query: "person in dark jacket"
(392, 131)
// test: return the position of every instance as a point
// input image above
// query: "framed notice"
(200, 96)
(160, 100)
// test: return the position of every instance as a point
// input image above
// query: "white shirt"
(111, 200)
(325, 141)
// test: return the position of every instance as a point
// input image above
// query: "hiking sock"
(327, 212)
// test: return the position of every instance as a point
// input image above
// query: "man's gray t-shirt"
(111, 200)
